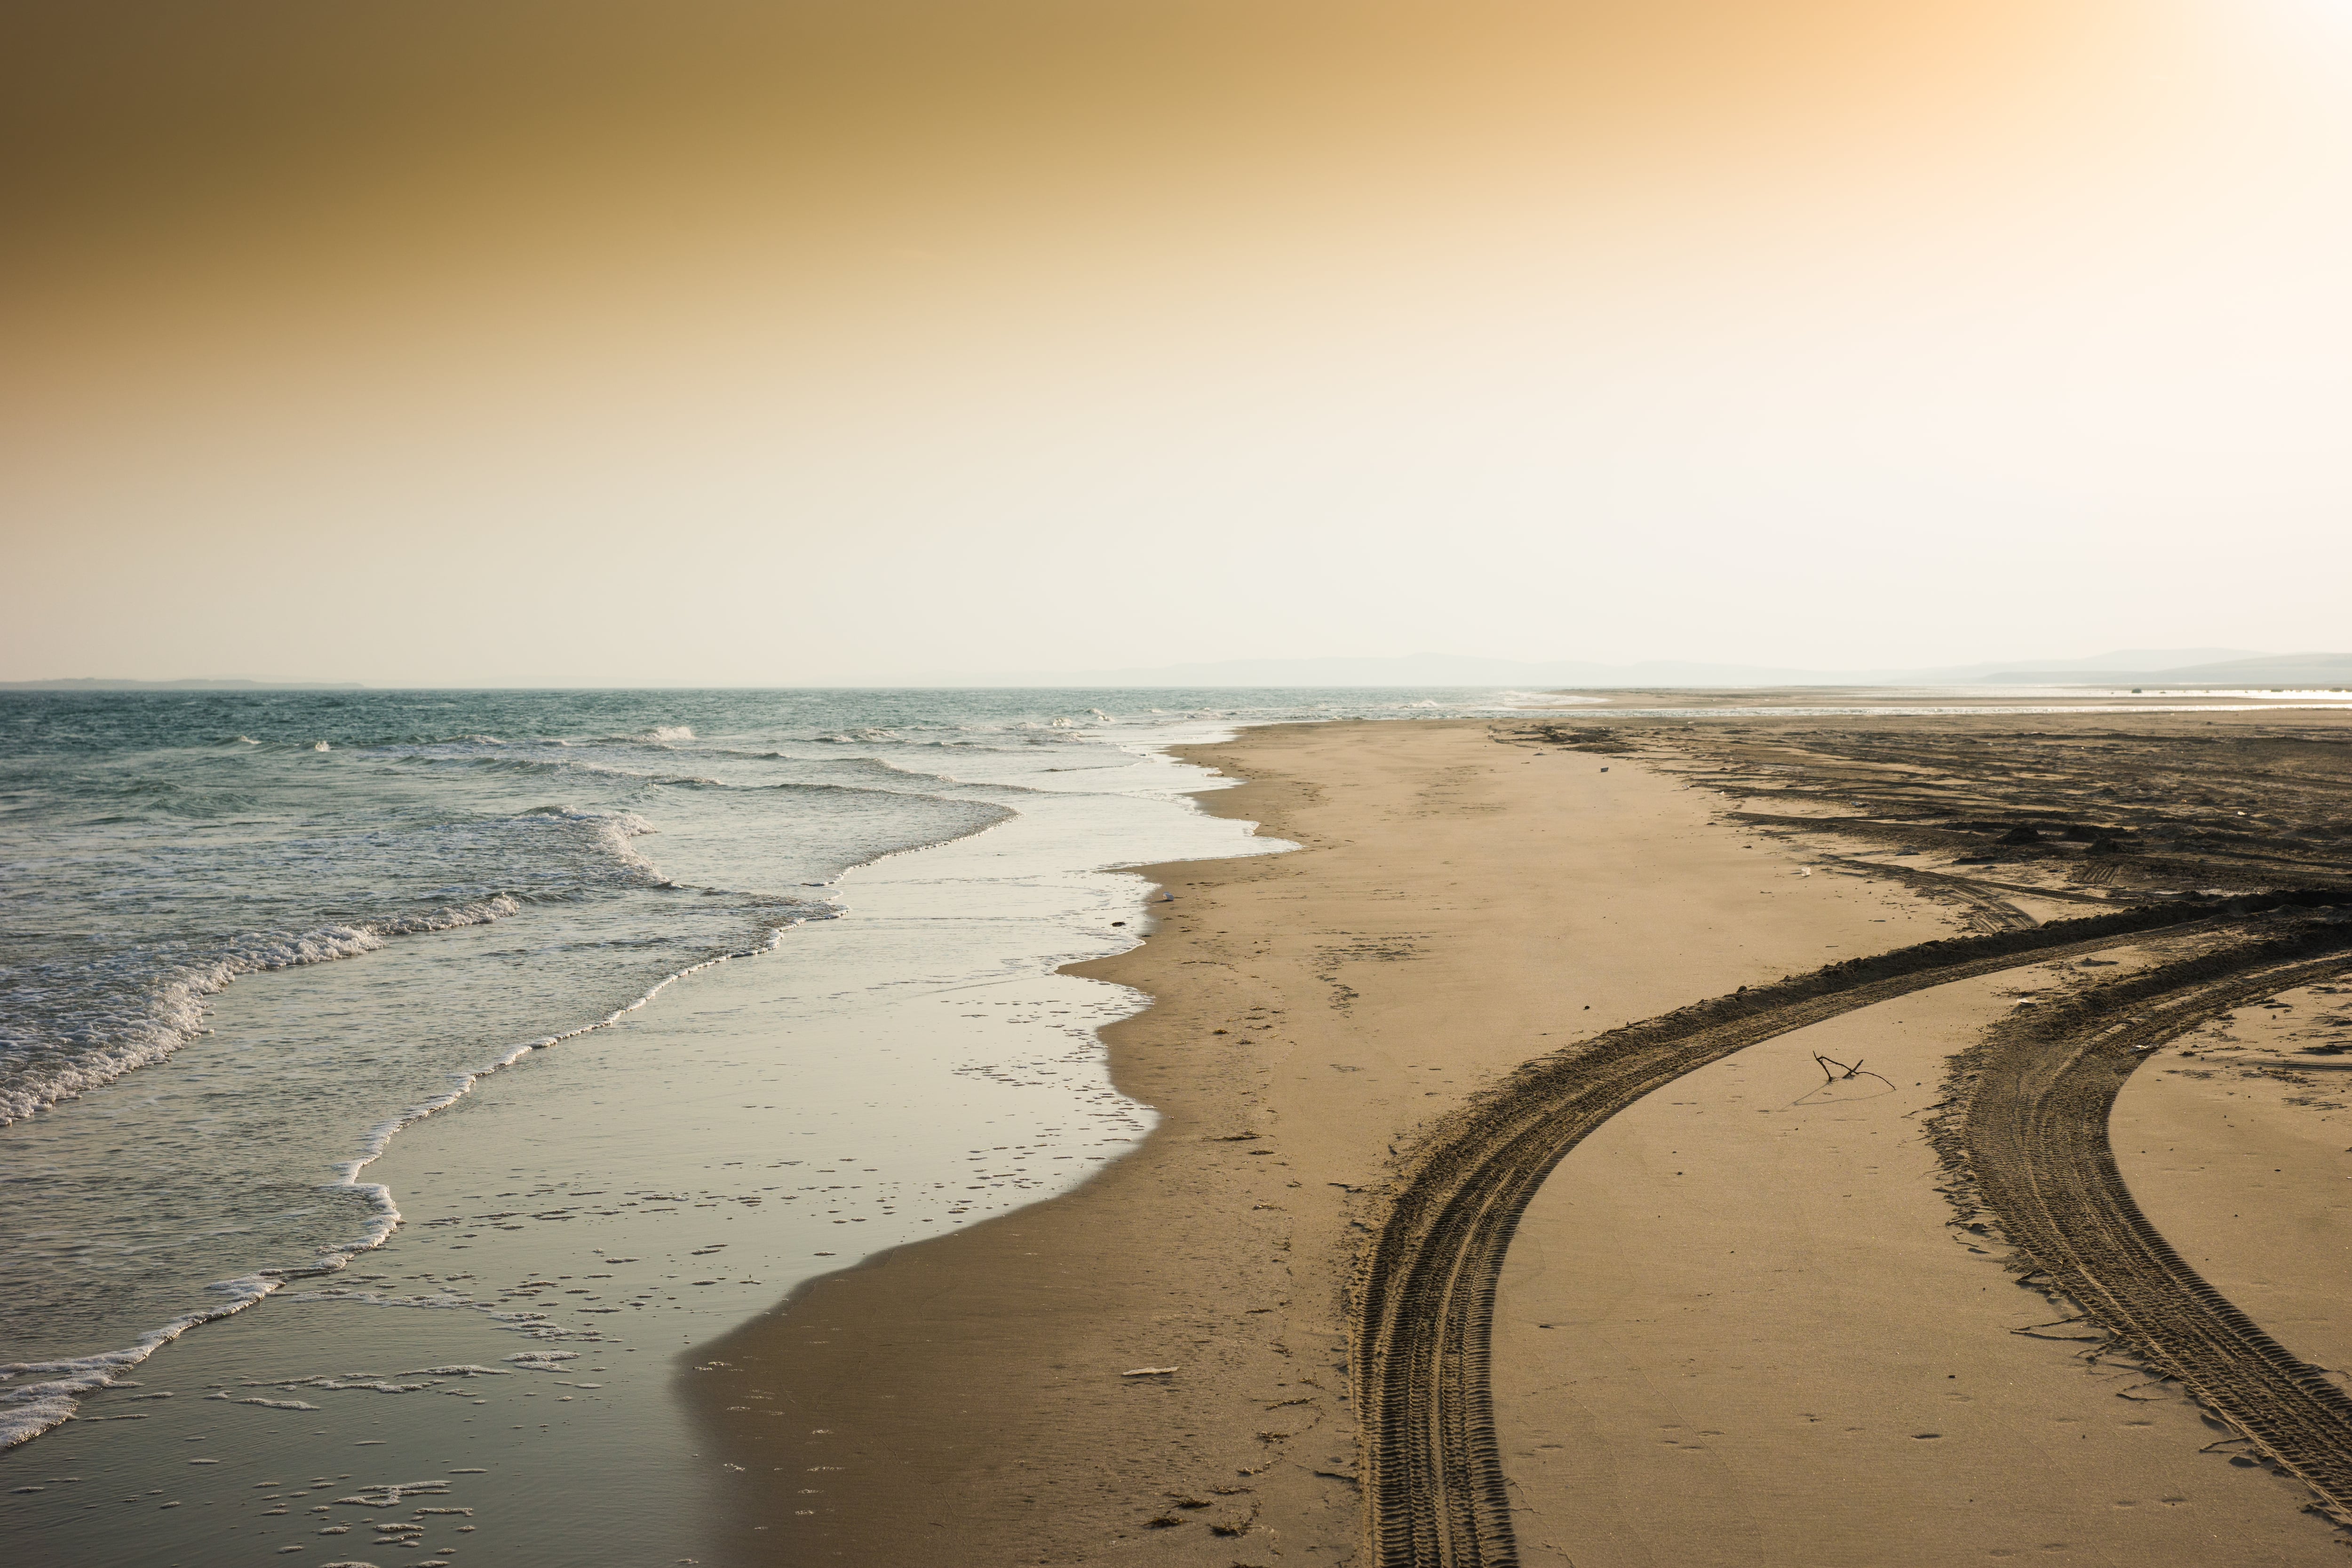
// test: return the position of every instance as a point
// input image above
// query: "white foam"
(356, 1381)
(27, 1410)
(379, 1137)
(389, 1494)
(31, 1409)
(176, 1007)
(465, 1370)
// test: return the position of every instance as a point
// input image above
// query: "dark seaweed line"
(2033, 1144)
(1423, 1306)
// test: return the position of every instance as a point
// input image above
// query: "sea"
(370, 1059)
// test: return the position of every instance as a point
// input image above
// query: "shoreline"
(1042, 1319)
(1456, 907)
(973, 1388)
(605, 1207)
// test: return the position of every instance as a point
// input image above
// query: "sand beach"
(1503, 1208)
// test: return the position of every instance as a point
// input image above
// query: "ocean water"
(604, 969)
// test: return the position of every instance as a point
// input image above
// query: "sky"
(803, 342)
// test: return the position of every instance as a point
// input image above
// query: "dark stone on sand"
(2020, 834)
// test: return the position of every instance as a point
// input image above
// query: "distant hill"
(91, 683)
(2223, 666)
(1416, 669)
(2159, 667)
(2103, 666)
(2328, 670)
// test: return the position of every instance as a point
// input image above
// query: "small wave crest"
(69, 1025)
(29, 1409)
(657, 735)
(610, 832)
(563, 766)
(93, 1052)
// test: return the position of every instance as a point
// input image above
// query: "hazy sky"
(576, 342)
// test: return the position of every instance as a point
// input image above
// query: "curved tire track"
(1989, 910)
(2031, 1147)
(1422, 1316)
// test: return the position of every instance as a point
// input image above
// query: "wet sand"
(1457, 906)
(577, 1226)
(1156, 1367)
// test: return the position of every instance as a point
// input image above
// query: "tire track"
(1988, 910)
(1979, 891)
(1423, 1305)
(2028, 1142)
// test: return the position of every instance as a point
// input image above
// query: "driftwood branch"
(1855, 1070)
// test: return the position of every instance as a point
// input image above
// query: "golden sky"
(721, 342)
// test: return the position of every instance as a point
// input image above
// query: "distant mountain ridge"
(2319, 669)
(97, 683)
(2221, 667)
(2140, 666)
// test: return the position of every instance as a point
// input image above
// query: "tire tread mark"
(1423, 1308)
(2028, 1143)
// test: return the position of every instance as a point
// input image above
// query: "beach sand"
(1721, 1335)
(2238, 1143)
(1736, 1328)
